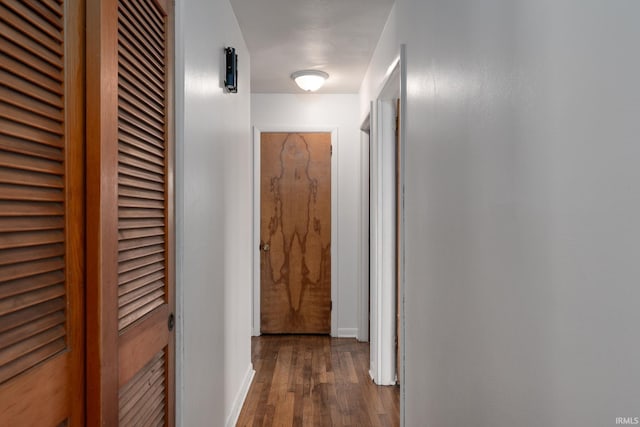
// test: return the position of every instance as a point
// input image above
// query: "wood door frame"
(257, 131)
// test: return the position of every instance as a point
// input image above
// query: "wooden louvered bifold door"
(132, 209)
(41, 213)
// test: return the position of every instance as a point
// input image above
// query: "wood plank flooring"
(311, 380)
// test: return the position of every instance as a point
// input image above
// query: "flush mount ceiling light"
(309, 80)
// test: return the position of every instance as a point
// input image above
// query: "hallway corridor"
(315, 381)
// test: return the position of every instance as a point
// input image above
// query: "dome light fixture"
(309, 80)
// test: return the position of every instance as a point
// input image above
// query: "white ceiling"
(335, 36)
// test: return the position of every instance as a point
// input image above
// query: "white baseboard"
(347, 332)
(232, 419)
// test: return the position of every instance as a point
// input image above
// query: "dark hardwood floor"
(310, 380)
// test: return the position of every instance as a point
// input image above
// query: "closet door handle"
(171, 322)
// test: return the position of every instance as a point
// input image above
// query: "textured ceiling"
(336, 36)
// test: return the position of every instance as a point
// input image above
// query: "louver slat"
(47, 10)
(28, 118)
(50, 28)
(30, 163)
(128, 223)
(141, 164)
(133, 285)
(18, 177)
(31, 359)
(143, 398)
(138, 27)
(31, 329)
(141, 94)
(32, 76)
(141, 152)
(20, 146)
(26, 300)
(144, 228)
(139, 183)
(29, 104)
(30, 224)
(10, 209)
(129, 103)
(29, 269)
(148, 56)
(32, 183)
(33, 45)
(48, 96)
(14, 320)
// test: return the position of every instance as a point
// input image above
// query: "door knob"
(171, 322)
(265, 247)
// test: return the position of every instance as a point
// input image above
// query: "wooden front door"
(130, 213)
(41, 213)
(295, 233)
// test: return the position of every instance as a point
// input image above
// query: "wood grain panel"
(41, 212)
(44, 385)
(138, 345)
(296, 228)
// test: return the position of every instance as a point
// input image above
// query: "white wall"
(214, 216)
(387, 50)
(522, 212)
(329, 111)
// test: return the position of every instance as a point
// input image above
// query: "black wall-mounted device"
(231, 74)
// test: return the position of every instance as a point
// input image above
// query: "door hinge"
(331, 150)
(330, 305)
